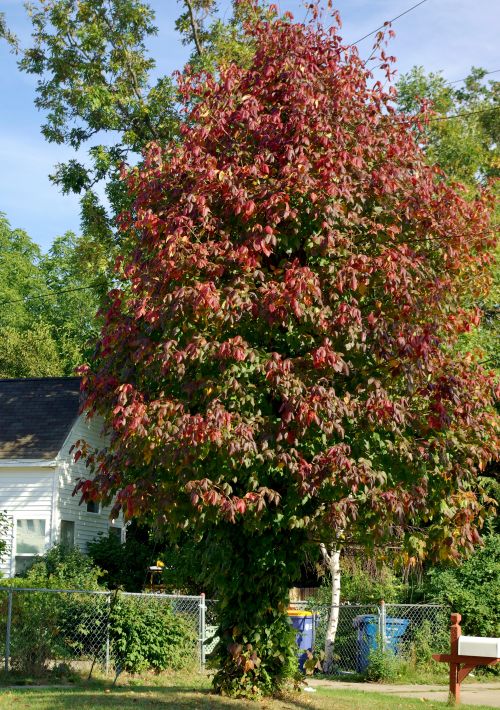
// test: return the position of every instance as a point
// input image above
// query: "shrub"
(147, 635)
(62, 567)
(384, 665)
(472, 589)
(124, 565)
(36, 639)
(53, 626)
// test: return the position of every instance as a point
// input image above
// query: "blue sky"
(446, 35)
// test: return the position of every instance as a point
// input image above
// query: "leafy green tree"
(29, 353)
(364, 582)
(124, 565)
(6, 34)
(47, 306)
(20, 276)
(473, 589)
(27, 346)
(218, 42)
(463, 137)
(94, 85)
(71, 311)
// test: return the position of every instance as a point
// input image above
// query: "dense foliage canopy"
(463, 138)
(474, 588)
(46, 306)
(277, 364)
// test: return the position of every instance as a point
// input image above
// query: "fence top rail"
(154, 595)
(66, 591)
(107, 593)
(437, 606)
(345, 605)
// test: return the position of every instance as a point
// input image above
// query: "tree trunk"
(332, 560)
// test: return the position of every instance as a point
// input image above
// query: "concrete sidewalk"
(472, 693)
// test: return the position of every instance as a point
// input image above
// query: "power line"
(458, 81)
(389, 21)
(43, 296)
(463, 114)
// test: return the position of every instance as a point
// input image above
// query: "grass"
(183, 692)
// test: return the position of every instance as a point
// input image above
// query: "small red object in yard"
(460, 665)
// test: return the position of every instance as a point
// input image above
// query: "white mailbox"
(479, 646)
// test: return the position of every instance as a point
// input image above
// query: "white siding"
(87, 525)
(44, 490)
(27, 493)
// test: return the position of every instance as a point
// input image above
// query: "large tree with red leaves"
(277, 366)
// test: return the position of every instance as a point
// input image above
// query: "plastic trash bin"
(304, 624)
(394, 630)
(368, 637)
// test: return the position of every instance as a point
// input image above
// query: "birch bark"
(331, 557)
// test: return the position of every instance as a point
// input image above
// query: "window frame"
(29, 555)
(60, 537)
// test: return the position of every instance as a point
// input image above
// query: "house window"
(30, 542)
(92, 507)
(67, 533)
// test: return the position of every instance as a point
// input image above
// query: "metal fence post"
(7, 632)
(383, 625)
(107, 633)
(202, 628)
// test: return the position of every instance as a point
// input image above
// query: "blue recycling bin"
(304, 624)
(367, 626)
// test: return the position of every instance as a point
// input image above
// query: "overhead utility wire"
(463, 114)
(43, 296)
(389, 21)
(458, 81)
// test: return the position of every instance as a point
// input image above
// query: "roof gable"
(36, 415)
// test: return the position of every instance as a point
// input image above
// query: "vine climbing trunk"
(331, 558)
(257, 649)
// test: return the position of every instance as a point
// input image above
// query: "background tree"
(473, 588)
(464, 139)
(276, 368)
(95, 87)
(47, 310)
(72, 312)
(217, 42)
(463, 134)
(27, 347)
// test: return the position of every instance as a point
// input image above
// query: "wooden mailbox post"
(466, 652)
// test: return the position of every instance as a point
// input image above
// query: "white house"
(39, 422)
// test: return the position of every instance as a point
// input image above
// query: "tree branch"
(194, 27)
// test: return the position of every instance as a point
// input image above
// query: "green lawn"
(191, 693)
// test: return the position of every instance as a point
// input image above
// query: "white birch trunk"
(332, 561)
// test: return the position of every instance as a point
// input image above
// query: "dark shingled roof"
(36, 415)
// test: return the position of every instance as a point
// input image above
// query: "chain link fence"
(412, 632)
(50, 630)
